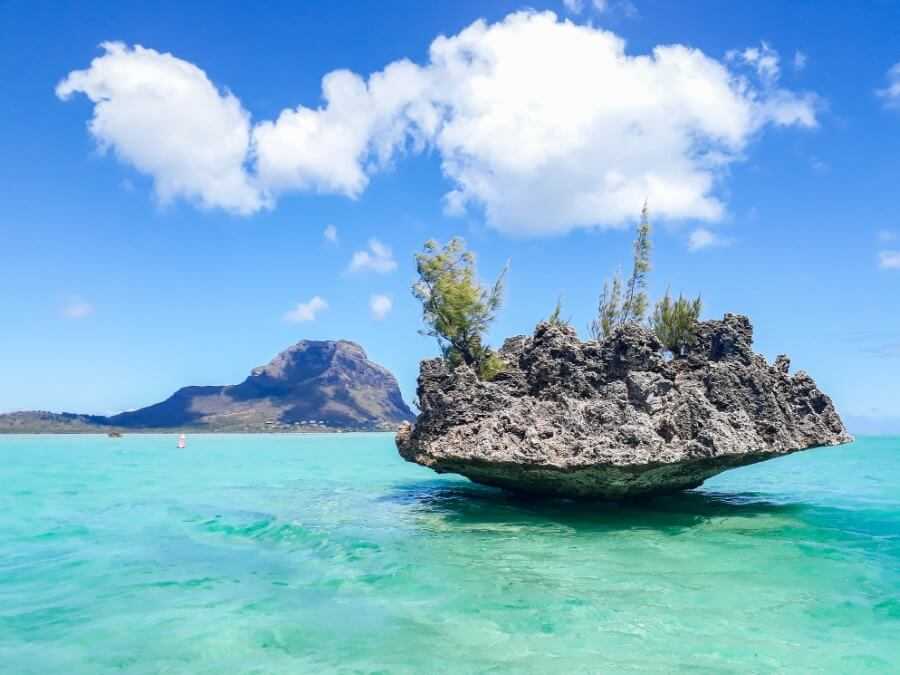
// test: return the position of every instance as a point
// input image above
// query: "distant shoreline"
(193, 432)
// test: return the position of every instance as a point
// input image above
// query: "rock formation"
(615, 418)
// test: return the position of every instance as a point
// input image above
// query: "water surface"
(328, 553)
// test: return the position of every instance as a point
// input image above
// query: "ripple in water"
(282, 554)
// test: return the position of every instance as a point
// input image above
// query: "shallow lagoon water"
(328, 553)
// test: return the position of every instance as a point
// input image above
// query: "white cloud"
(763, 59)
(306, 311)
(577, 133)
(331, 234)
(77, 308)
(378, 258)
(702, 238)
(359, 130)
(600, 6)
(889, 260)
(891, 93)
(887, 235)
(800, 60)
(543, 125)
(380, 306)
(163, 116)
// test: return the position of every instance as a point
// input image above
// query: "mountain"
(325, 385)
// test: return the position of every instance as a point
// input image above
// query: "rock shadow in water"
(470, 504)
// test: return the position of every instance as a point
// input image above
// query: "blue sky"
(182, 240)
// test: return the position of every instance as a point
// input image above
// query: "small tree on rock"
(555, 318)
(456, 309)
(609, 309)
(619, 305)
(675, 322)
(634, 303)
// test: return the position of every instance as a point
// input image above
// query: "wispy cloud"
(874, 342)
(889, 350)
(800, 60)
(702, 238)
(625, 7)
(380, 306)
(891, 93)
(887, 235)
(331, 234)
(77, 308)
(377, 258)
(889, 260)
(763, 59)
(306, 311)
(818, 165)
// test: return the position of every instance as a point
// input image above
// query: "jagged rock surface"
(615, 419)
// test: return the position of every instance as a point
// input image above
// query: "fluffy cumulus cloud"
(380, 306)
(163, 116)
(891, 93)
(77, 308)
(306, 311)
(362, 125)
(579, 133)
(377, 258)
(331, 234)
(889, 260)
(540, 124)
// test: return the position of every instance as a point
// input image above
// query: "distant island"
(315, 385)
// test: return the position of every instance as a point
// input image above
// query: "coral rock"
(615, 419)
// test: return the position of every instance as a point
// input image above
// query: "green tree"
(620, 305)
(675, 322)
(456, 308)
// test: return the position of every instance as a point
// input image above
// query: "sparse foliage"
(620, 305)
(456, 309)
(634, 306)
(491, 366)
(555, 318)
(675, 322)
(609, 309)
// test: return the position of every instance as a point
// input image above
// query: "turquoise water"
(316, 554)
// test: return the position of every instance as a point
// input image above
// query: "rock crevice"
(615, 419)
